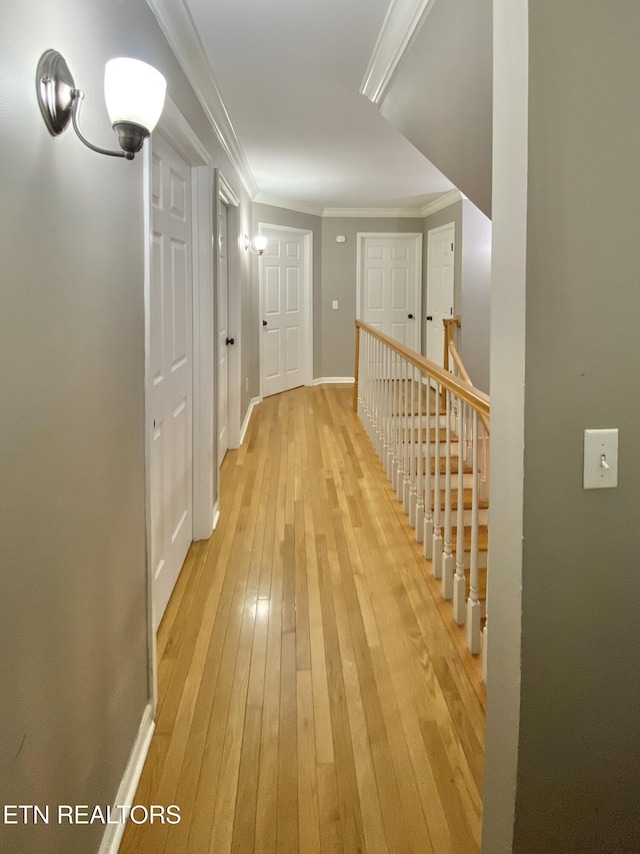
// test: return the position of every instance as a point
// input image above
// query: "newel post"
(355, 372)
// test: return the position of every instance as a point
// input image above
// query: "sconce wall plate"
(55, 84)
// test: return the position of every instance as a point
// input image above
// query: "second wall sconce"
(255, 246)
(134, 93)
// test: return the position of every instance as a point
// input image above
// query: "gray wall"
(339, 264)
(475, 307)
(578, 751)
(73, 659)
(441, 93)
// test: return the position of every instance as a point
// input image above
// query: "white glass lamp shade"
(134, 92)
(260, 243)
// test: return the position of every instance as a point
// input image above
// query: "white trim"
(334, 380)
(234, 310)
(179, 30)
(113, 833)
(307, 320)
(384, 213)
(247, 418)
(152, 669)
(279, 202)
(417, 237)
(402, 22)
(226, 192)
(205, 482)
(216, 516)
(442, 202)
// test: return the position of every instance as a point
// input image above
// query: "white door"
(283, 311)
(171, 362)
(390, 286)
(223, 333)
(440, 279)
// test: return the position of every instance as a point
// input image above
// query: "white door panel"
(171, 361)
(440, 287)
(283, 339)
(391, 290)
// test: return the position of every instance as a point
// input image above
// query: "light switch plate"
(335, 303)
(600, 459)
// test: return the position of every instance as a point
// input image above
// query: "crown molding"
(438, 204)
(402, 22)
(442, 202)
(180, 31)
(279, 202)
(384, 213)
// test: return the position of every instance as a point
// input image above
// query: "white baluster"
(459, 584)
(473, 605)
(428, 481)
(403, 431)
(437, 532)
(413, 491)
(385, 408)
(381, 412)
(447, 556)
(391, 474)
(364, 343)
(420, 468)
(408, 469)
(376, 386)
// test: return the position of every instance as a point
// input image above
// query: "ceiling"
(289, 73)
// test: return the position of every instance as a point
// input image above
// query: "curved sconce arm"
(77, 97)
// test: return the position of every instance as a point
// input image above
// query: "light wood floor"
(311, 698)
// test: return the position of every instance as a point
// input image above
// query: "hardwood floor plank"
(308, 812)
(288, 749)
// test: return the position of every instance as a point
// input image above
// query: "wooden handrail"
(451, 349)
(449, 323)
(463, 389)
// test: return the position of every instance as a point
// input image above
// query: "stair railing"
(430, 428)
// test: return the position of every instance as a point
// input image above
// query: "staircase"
(430, 428)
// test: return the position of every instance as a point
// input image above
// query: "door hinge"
(452, 247)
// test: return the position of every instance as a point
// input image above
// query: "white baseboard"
(329, 380)
(247, 418)
(216, 516)
(129, 783)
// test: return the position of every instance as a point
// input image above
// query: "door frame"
(225, 193)
(307, 285)
(177, 131)
(417, 236)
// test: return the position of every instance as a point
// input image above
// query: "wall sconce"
(134, 93)
(255, 246)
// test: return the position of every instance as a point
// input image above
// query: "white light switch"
(335, 303)
(600, 459)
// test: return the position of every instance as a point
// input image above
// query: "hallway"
(310, 697)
